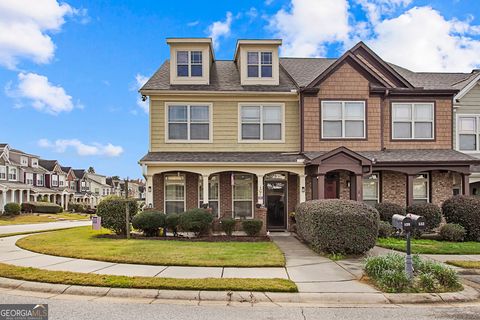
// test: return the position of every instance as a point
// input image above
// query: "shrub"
(452, 232)
(197, 221)
(228, 225)
(113, 213)
(11, 209)
(76, 207)
(252, 227)
(338, 226)
(171, 222)
(149, 222)
(464, 210)
(41, 207)
(431, 213)
(385, 229)
(387, 209)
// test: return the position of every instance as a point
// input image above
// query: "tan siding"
(225, 125)
(469, 104)
(472, 98)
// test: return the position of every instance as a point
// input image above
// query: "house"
(136, 187)
(254, 136)
(96, 185)
(56, 180)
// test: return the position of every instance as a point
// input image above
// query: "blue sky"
(69, 71)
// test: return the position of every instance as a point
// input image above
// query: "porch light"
(149, 188)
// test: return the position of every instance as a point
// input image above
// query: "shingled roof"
(221, 157)
(47, 164)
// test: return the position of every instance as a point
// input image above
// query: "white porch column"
(62, 202)
(67, 198)
(12, 195)
(149, 191)
(302, 188)
(260, 182)
(20, 196)
(4, 196)
(206, 195)
(28, 195)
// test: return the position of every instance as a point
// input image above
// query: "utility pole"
(127, 213)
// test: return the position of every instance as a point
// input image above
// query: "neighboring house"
(136, 188)
(254, 136)
(56, 179)
(96, 185)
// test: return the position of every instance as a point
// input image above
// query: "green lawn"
(83, 243)
(30, 218)
(89, 279)
(431, 246)
(465, 264)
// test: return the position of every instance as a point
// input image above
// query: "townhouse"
(254, 136)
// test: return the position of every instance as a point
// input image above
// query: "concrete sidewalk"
(16, 228)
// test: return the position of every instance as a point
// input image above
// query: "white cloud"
(193, 23)
(376, 9)
(423, 40)
(307, 26)
(25, 27)
(140, 80)
(220, 29)
(42, 95)
(82, 149)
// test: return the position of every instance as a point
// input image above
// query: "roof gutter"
(147, 92)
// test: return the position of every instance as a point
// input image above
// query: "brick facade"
(394, 187)
(441, 186)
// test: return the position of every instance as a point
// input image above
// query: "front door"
(331, 187)
(275, 193)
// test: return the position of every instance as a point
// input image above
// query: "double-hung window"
(174, 193)
(213, 196)
(259, 64)
(261, 122)
(3, 172)
(413, 121)
(12, 174)
(242, 195)
(421, 188)
(29, 178)
(24, 161)
(468, 133)
(54, 180)
(371, 189)
(189, 123)
(343, 119)
(189, 64)
(40, 179)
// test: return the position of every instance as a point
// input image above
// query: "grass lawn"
(465, 264)
(431, 246)
(89, 279)
(30, 218)
(83, 243)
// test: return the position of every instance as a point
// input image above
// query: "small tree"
(112, 212)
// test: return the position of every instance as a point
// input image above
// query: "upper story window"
(24, 161)
(261, 123)
(62, 181)
(189, 64)
(259, 64)
(414, 121)
(29, 178)
(343, 119)
(189, 123)
(40, 179)
(12, 174)
(3, 172)
(421, 188)
(468, 133)
(34, 163)
(55, 180)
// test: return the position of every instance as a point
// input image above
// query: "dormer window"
(189, 64)
(24, 161)
(259, 64)
(34, 163)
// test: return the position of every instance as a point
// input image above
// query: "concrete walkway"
(16, 228)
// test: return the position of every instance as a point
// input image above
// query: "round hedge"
(149, 222)
(197, 221)
(113, 213)
(11, 209)
(431, 213)
(386, 210)
(452, 232)
(465, 211)
(338, 226)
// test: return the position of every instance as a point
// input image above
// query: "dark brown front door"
(331, 189)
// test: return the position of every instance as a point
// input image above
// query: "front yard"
(41, 218)
(84, 243)
(424, 246)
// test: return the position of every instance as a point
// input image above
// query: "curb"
(468, 294)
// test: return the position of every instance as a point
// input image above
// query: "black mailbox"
(402, 222)
(417, 221)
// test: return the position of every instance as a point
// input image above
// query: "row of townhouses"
(253, 136)
(25, 177)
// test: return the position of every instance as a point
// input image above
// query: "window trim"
(37, 180)
(261, 105)
(51, 179)
(32, 180)
(232, 177)
(16, 173)
(379, 179)
(428, 198)
(189, 63)
(457, 132)
(189, 104)
(165, 190)
(343, 138)
(200, 194)
(434, 121)
(23, 161)
(5, 172)
(259, 65)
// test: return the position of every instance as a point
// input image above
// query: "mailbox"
(417, 221)
(402, 222)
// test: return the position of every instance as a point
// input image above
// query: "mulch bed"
(211, 238)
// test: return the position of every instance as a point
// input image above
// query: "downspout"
(382, 122)
(300, 103)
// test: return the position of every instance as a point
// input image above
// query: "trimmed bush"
(11, 209)
(149, 222)
(197, 221)
(172, 221)
(41, 207)
(338, 226)
(385, 229)
(252, 227)
(228, 225)
(465, 211)
(387, 209)
(431, 213)
(452, 232)
(76, 207)
(113, 213)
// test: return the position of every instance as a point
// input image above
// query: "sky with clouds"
(70, 70)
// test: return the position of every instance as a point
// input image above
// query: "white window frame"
(427, 199)
(200, 192)
(61, 180)
(12, 176)
(3, 173)
(412, 120)
(189, 64)
(54, 181)
(343, 119)
(377, 199)
(165, 191)
(29, 178)
(261, 105)
(259, 65)
(188, 105)
(233, 195)
(34, 163)
(41, 181)
(23, 161)
(476, 133)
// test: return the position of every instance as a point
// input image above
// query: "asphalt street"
(126, 309)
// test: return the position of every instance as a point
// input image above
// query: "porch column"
(28, 195)
(67, 199)
(465, 184)
(4, 196)
(260, 182)
(205, 194)
(12, 195)
(358, 187)
(410, 189)
(148, 191)
(62, 201)
(321, 186)
(20, 196)
(302, 187)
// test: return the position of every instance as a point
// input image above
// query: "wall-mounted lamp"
(149, 188)
(303, 189)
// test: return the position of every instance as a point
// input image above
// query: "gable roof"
(474, 79)
(79, 173)
(48, 164)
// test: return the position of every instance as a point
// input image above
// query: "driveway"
(42, 226)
